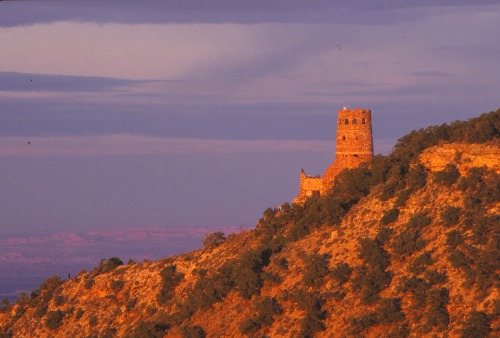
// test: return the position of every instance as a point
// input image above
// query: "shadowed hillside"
(407, 246)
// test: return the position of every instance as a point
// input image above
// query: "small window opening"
(354, 121)
(343, 137)
(363, 121)
(346, 121)
(355, 155)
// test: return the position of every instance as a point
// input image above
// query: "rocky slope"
(414, 253)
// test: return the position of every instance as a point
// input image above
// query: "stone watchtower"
(354, 146)
(354, 143)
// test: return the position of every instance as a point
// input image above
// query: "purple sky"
(198, 113)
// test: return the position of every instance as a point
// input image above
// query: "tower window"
(343, 137)
(355, 155)
(346, 121)
(363, 121)
(354, 121)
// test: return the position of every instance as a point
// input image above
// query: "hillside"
(405, 247)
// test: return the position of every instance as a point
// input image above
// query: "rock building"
(354, 146)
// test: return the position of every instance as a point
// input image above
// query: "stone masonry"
(354, 146)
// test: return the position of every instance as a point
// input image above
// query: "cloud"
(29, 82)
(127, 144)
(431, 73)
(216, 11)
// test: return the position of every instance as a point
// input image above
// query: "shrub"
(266, 308)
(249, 326)
(477, 325)
(117, 284)
(450, 215)
(383, 235)
(419, 220)
(418, 287)
(421, 261)
(106, 265)
(316, 267)
(434, 277)
(93, 320)
(54, 319)
(371, 282)
(311, 303)
(458, 259)
(311, 323)
(246, 272)
(403, 196)
(372, 253)
(88, 282)
(390, 216)
(416, 178)
(437, 316)
(79, 313)
(448, 176)
(5, 305)
(195, 331)
(407, 242)
(341, 273)
(170, 278)
(213, 239)
(454, 238)
(390, 311)
(149, 329)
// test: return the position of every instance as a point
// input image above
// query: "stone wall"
(308, 185)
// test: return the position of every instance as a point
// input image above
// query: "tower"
(354, 146)
(354, 143)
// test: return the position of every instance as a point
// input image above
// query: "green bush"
(249, 326)
(79, 313)
(213, 239)
(407, 242)
(477, 325)
(421, 261)
(418, 287)
(390, 311)
(390, 216)
(88, 282)
(437, 316)
(373, 254)
(316, 267)
(419, 220)
(149, 329)
(106, 265)
(383, 235)
(311, 303)
(341, 273)
(266, 308)
(450, 215)
(448, 176)
(371, 281)
(454, 238)
(5, 305)
(435, 277)
(54, 319)
(170, 279)
(116, 285)
(195, 331)
(458, 259)
(93, 320)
